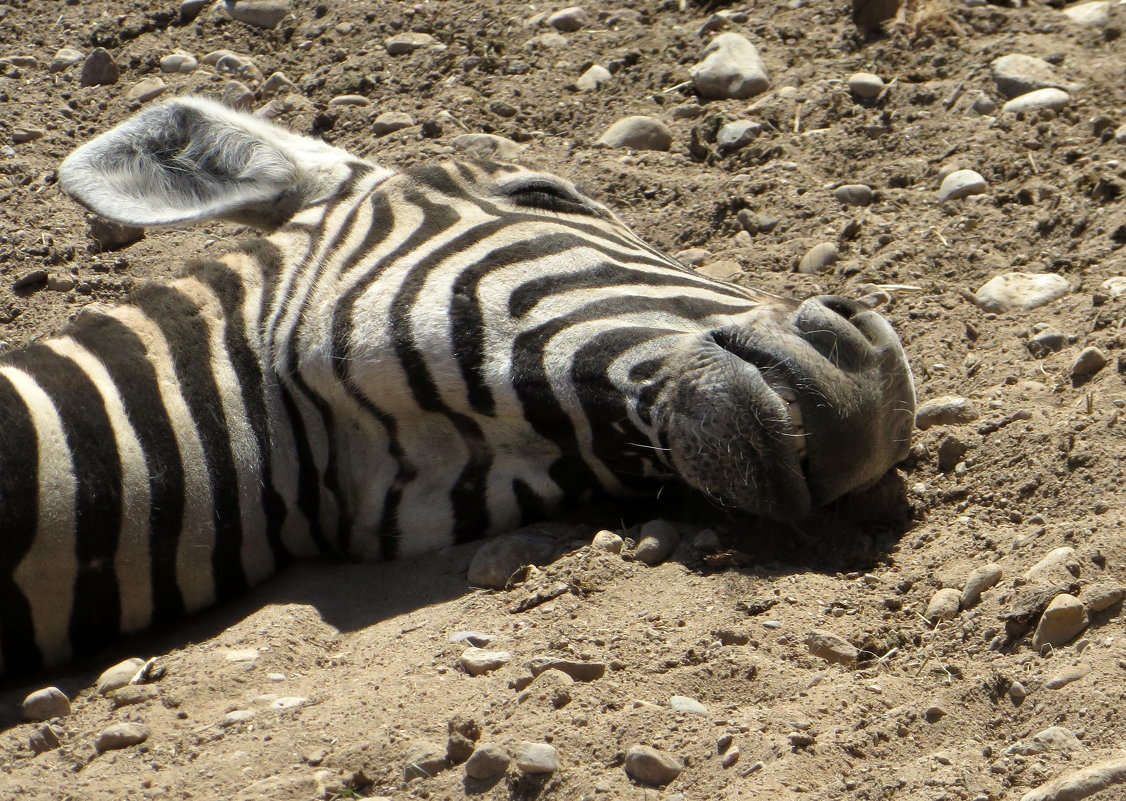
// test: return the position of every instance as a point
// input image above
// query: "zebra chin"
(780, 420)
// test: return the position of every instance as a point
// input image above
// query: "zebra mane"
(193, 159)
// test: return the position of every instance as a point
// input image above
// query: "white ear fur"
(194, 159)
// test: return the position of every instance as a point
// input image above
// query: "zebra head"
(461, 347)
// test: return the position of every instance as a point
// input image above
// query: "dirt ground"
(931, 710)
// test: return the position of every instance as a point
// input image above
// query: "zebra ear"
(194, 159)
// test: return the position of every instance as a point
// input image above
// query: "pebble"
(551, 687)
(121, 735)
(215, 56)
(463, 736)
(391, 121)
(474, 638)
(119, 675)
(502, 109)
(179, 62)
(1120, 138)
(189, 9)
(1063, 621)
(731, 69)
(1088, 362)
(259, 13)
(50, 702)
(349, 100)
(579, 671)
(537, 758)
(960, 184)
(1065, 677)
(682, 703)
(730, 757)
(45, 738)
(1053, 738)
(241, 655)
(1102, 596)
(649, 766)
(489, 146)
(65, 57)
(404, 43)
(978, 582)
(946, 410)
(1017, 74)
(238, 716)
(819, 258)
(145, 90)
(278, 81)
(1056, 565)
(1092, 14)
(288, 702)
(495, 561)
(21, 134)
(99, 69)
(237, 95)
(638, 133)
(608, 541)
(944, 605)
(1048, 342)
(109, 235)
(831, 647)
(737, 134)
(1017, 691)
(656, 541)
(479, 661)
(488, 761)
(865, 84)
(569, 19)
(984, 104)
(593, 79)
(950, 452)
(132, 694)
(853, 194)
(1055, 99)
(426, 760)
(1020, 291)
(26, 62)
(1116, 286)
(242, 67)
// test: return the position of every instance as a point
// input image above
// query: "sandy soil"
(931, 710)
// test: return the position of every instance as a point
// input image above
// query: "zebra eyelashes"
(542, 194)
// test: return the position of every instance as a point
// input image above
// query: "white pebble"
(479, 661)
(569, 19)
(608, 541)
(1051, 98)
(945, 410)
(819, 258)
(682, 703)
(593, 79)
(960, 184)
(731, 69)
(865, 84)
(1020, 291)
(260, 13)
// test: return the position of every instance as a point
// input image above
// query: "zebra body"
(407, 360)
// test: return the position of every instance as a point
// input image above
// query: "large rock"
(1063, 621)
(1020, 291)
(731, 68)
(50, 702)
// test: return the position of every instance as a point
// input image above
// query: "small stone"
(1065, 677)
(479, 661)
(463, 736)
(983, 104)
(537, 758)
(1120, 138)
(707, 541)
(279, 80)
(1020, 291)
(474, 638)
(241, 67)
(946, 410)
(121, 735)
(237, 95)
(60, 283)
(179, 62)
(593, 79)
(145, 90)
(189, 9)
(1059, 564)
(944, 605)
(22, 134)
(1063, 621)
(1018, 74)
(488, 146)
(934, 713)
(647, 765)
(865, 84)
(30, 281)
(349, 100)
(215, 56)
(391, 121)
(1054, 99)
(495, 561)
(638, 133)
(50, 702)
(65, 57)
(1017, 691)
(132, 694)
(488, 761)
(119, 675)
(608, 541)
(426, 760)
(730, 757)
(737, 134)
(1114, 287)
(579, 671)
(682, 703)
(1047, 342)
(238, 716)
(288, 702)
(259, 13)
(819, 258)
(1054, 738)
(45, 738)
(950, 452)
(689, 111)
(831, 647)
(1092, 14)
(978, 582)
(656, 541)
(1088, 362)
(569, 19)
(109, 235)
(405, 43)
(503, 109)
(99, 69)
(960, 184)
(853, 194)
(1102, 596)
(731, 69)
(693, 257)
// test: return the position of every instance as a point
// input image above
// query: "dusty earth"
(932, 709)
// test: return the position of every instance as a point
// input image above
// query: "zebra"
(403, 360)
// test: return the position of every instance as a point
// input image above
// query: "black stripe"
(126, 359)
(188, 341)
(308, 478)
(19, 517)
(96, 616)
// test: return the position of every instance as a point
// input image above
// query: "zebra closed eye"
(407, 359)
